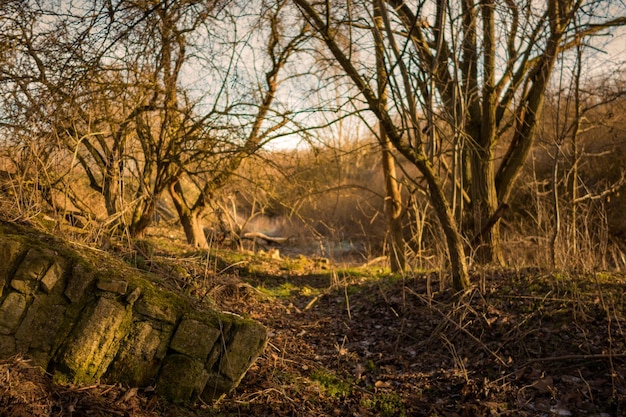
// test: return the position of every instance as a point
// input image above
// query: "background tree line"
(110, 107)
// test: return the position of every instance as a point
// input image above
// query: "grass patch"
(386, 404)
(331, 385)
(281, 291)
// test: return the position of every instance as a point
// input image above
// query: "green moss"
(331, 385)
(139, 356)
(145, 248)
(371, 366)
(558, 276)
(385, 405)
(296, 265)
(213, 319)
(94, 342)
(158, 304)
(284, 290)
(225, 258)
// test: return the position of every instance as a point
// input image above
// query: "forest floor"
(357, 341)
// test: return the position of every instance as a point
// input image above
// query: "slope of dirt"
(357, 342)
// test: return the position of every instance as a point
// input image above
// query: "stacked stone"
(85, 324)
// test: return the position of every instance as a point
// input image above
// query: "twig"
(375, 261)
(313, 301)
(345, 290)
(535, 298)
(502, 208)
(575, 357)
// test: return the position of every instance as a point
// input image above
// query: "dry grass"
(358, 341)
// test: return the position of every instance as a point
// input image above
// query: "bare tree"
(482, 67)
(87, 77)
(260, 121)
(124, 113)
(579, 116)
(49, 57)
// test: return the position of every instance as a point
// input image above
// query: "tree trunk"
(194, 231)
(142, 217)
(393, 209)
(456, 254)
(189, 218)
(485, 206)
(483, 130)
(111, 190)
(393, 197)
(575, 154)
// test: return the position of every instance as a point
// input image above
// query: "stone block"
(194, 339)
(40, 326)
(246, 342)
(7, 346)
(217, 385)
(182, 379)
(78, 282)
(31, 270)
(166, 331)
(118, 286)
(139, 356)
(94, 343)
(157, 308)
(51, 277)
(133, 295)
(10, 251)
(11, 312)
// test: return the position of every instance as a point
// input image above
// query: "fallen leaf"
(382, 384)
(544, 385)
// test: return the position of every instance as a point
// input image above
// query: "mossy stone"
(94, 343)
(247, 342)
(31, 270)
(182, 379)
(194, 339)
(10, 251)
(138, 359)
(79, 281)
(39, 327)
(118, 286)
(84, 322)
(160, 306)
(11, 312)
(51, 277)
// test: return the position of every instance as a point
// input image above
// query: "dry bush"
(329, 200)
(38, 185)
(597, 239)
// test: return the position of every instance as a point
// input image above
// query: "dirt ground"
(360, 342)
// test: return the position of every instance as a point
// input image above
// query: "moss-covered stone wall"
(85, 317)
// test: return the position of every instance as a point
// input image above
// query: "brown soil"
(358, 343)
(529, 344)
